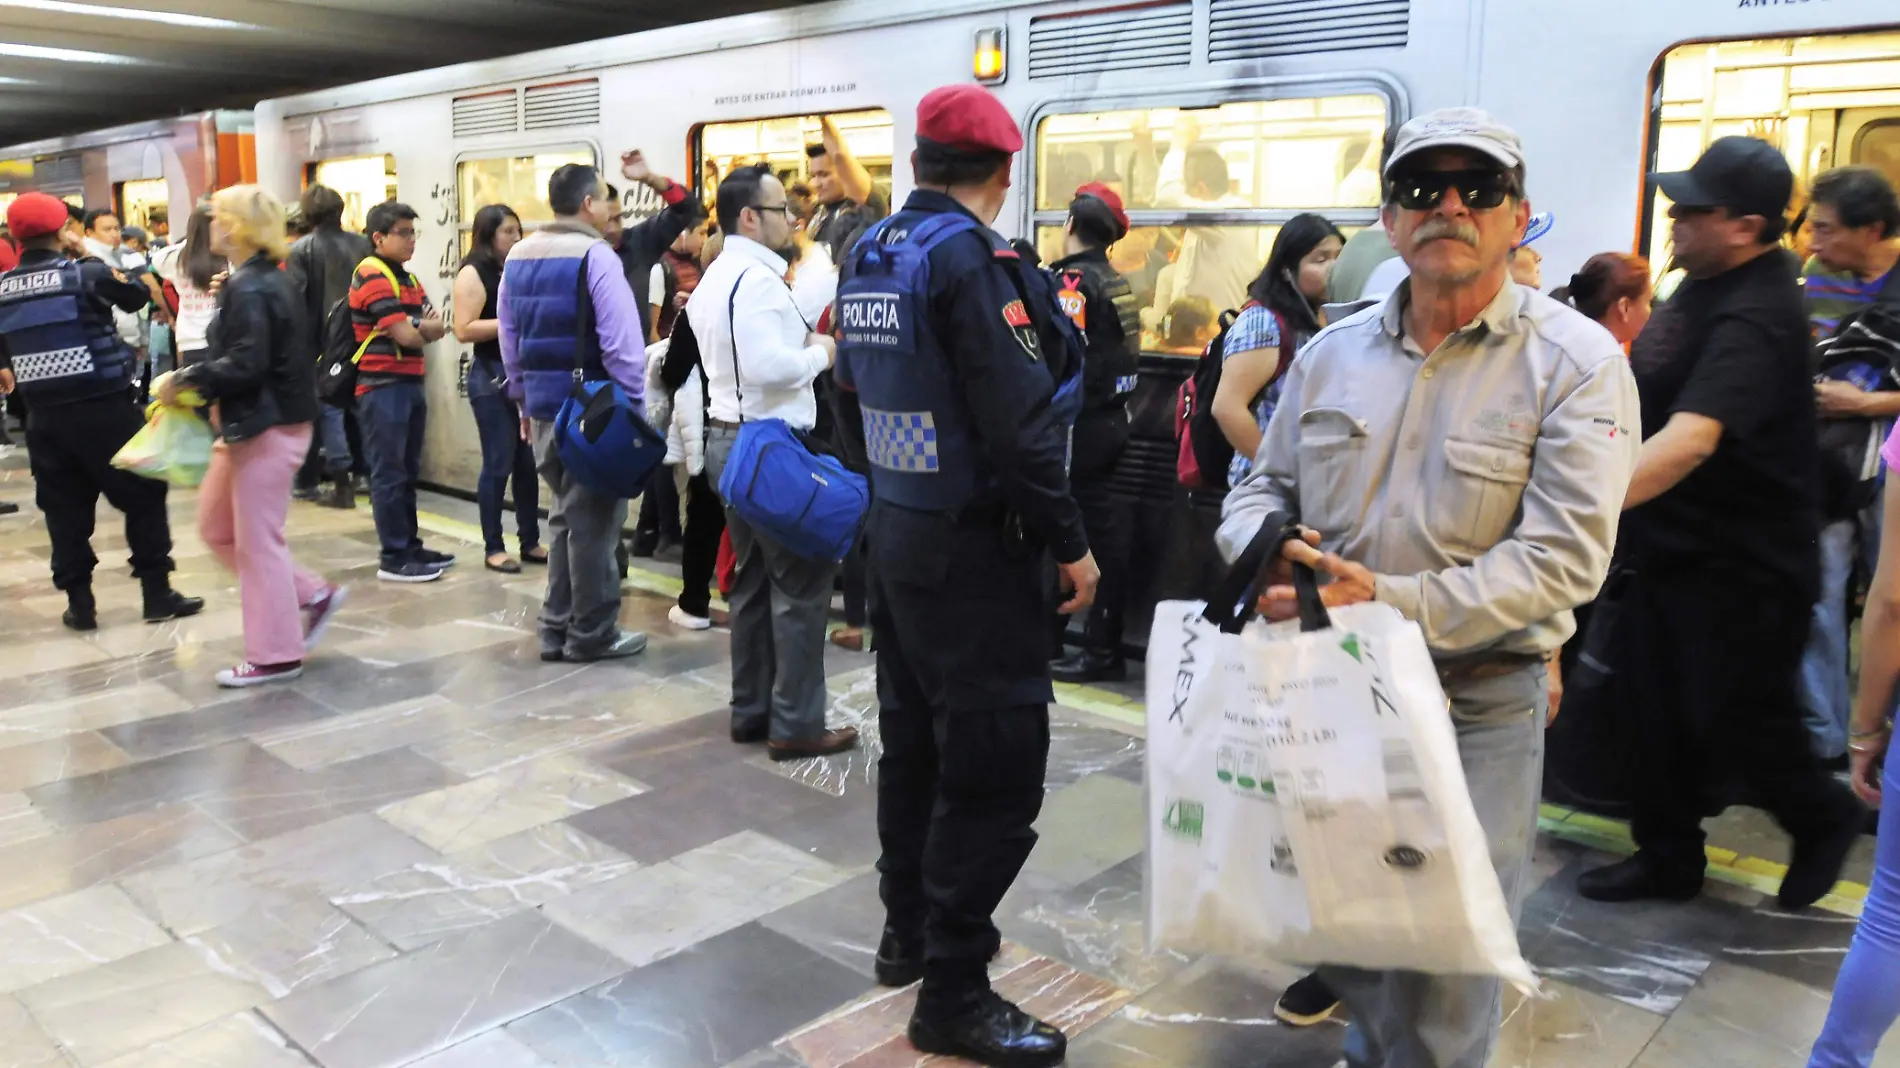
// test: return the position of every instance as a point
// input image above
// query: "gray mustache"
(1437, 228)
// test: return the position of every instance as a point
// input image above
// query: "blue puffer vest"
(545, 296)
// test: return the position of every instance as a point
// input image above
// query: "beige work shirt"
(1482, 483)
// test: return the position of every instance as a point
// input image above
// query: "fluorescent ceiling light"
(101, 11)
(65, 55)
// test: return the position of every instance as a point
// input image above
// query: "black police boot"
(163, 603)
(900, 961)
(82, 612)
(8, 507)
(342, 493)
(990, 1031)
(1089, 665)
(1638, 878)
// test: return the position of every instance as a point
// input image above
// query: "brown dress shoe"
(824, 745)
(851, 638)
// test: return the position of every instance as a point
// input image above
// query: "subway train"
(145, 171)
(1294, 94)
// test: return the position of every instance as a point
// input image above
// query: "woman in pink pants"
(260, 375)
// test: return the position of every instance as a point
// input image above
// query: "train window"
(138, 197)
(519, 181)
(1209, 189)
(719, 147)
(1825, 101)
(362, 181)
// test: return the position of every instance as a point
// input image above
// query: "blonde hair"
(254, 218)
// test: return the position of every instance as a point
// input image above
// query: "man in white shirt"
(761, 356)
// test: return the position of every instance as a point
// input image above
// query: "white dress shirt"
(775, 366)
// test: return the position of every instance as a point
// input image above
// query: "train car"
(1293, 94)
(142, 171)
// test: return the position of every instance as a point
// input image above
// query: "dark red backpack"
(1203, 453)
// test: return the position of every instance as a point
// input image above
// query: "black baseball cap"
(1746, 175)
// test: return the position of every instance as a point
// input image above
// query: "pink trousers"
(242, 507)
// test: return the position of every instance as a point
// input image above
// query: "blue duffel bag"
(600, 433)
(786, 484)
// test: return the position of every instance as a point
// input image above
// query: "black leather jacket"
(262, 365)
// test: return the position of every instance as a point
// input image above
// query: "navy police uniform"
(58, 336)
(968, 380)
(1104, 309)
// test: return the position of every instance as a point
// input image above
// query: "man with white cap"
(1459, 451)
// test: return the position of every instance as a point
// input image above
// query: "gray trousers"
(581, 612)
(1410, 1020)
(779, 601)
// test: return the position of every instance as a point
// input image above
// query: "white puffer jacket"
(681, 417)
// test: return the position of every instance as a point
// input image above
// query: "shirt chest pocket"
(1332, 484)
(1482, 492)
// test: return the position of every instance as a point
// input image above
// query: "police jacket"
(1103, 307)
(57, 332)
(262, 366)
(958, 384)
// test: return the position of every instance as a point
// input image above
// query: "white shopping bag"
(1306, 802)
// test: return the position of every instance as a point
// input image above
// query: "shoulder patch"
(1015, 314)
(1005, 254)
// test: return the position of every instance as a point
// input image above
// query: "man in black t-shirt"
(1719, 545)
(848, 201)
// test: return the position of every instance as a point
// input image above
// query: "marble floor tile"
(843, 831)
(65, 757)
(242, 1040)
(128, 1005)
(22, 1043)
(658, 911)
(63, 935)
(52, 654)
(424, 1002)
(1744, 1018)
(440, 897)
(1807, 947)
(285, 945)
(664, 823)
(1088, 828)
(490, 1049)
(1077, 751)
(248, 713)
(52, 719)
(1099, 926)
(320, 744)
(286, 800)
(695, 749)
(484, 749)
(506, 802)
(678, 1013)
(148, 784)
(869, 1033)
(1645, 954)
(842, 924)
(20, 821)
(70, 860)
(329, 858)
(407, 645)
(1571, 1028)
(1215, 1015)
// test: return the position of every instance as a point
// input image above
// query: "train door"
(363, 182)
(1824, 100)
(137, 199)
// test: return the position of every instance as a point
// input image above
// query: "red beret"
(35, 215)
(967, 117)
(1108, 196)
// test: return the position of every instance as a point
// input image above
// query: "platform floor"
(435, 850)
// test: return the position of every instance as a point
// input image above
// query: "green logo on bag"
(1183, 820)
(1350, 643)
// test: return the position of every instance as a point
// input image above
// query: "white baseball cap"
(1469, 128)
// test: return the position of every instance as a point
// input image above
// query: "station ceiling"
(67, 67)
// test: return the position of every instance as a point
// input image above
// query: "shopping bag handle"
(1232, 605)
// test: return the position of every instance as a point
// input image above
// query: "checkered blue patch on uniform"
(901, 441)
(60, 363)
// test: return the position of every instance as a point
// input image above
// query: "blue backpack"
(600, 433)
(786, 484)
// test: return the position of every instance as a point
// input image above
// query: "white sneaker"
(682, 618)
(248, 674)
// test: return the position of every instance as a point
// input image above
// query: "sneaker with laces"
(684, 619)
(319, 613)
(435, 559)
(413, 571)
(1306, 1002)
(249, 674)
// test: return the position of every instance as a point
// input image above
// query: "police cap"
(967, 118)
(1100, 191)
(35, 215)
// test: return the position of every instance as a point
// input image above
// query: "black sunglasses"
(1480, 190)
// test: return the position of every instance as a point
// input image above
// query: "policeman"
(61, 349)
(968, 378)
(1104, 309)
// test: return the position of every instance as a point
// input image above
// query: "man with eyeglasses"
(1722, 545)
(1459, 451)
(761, 357)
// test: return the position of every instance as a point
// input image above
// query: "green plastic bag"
(174, 445)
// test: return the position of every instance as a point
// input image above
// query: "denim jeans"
(335, 437)
(393, 418)
(1412, 1020)
(504, 456)
(1848, 549)
(1867, 990)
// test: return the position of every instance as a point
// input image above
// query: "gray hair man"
(1459, 451)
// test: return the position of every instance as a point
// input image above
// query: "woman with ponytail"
(1614, 289)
